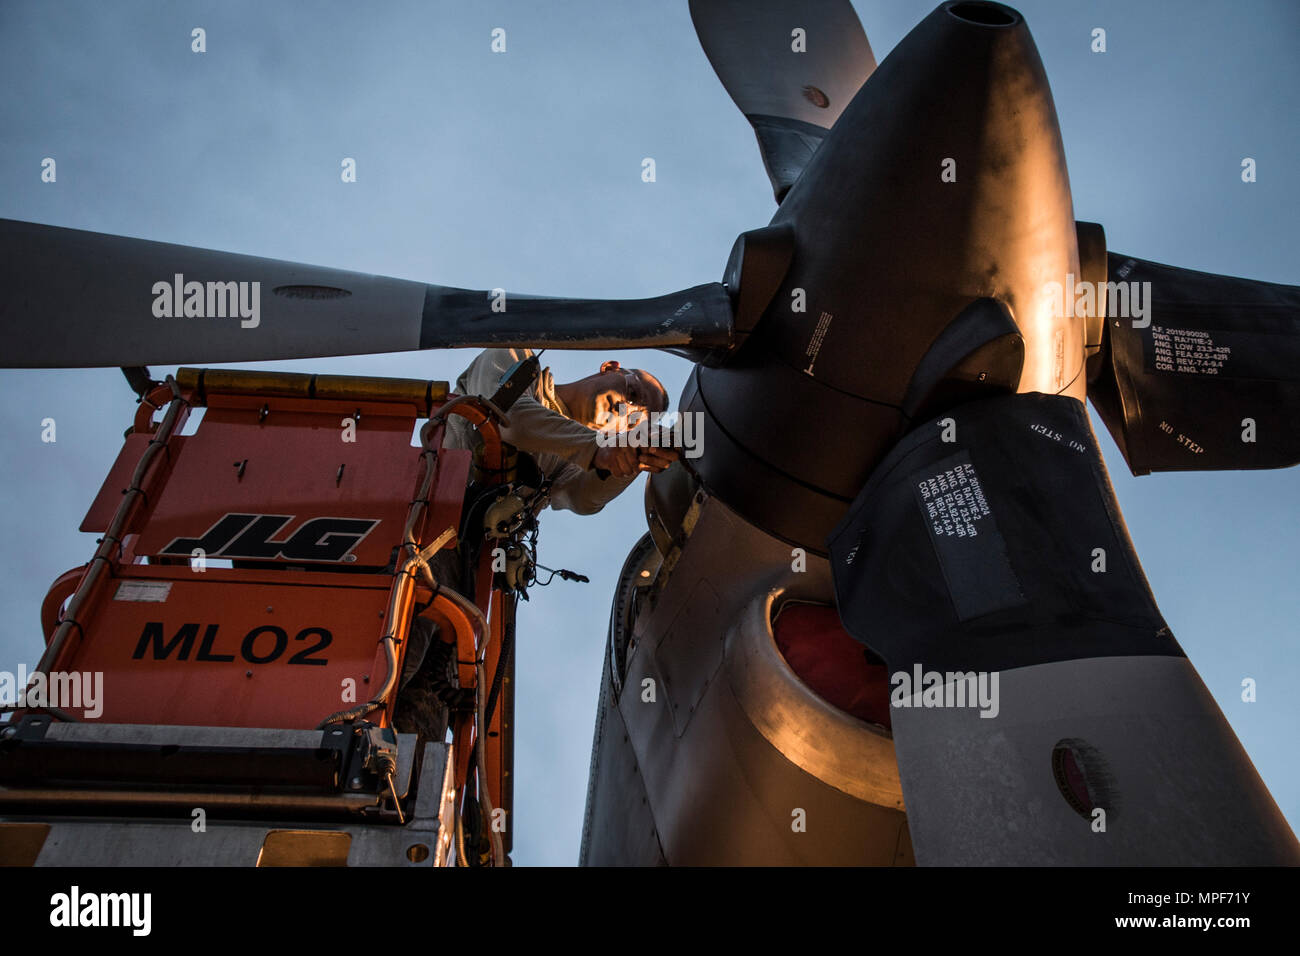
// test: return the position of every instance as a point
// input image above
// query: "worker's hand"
(657, 459)
(619, 460)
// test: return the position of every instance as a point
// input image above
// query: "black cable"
(507, 648)
(564, 573)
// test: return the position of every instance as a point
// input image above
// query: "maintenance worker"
(557, 424)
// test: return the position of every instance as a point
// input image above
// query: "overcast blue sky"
(522, 170)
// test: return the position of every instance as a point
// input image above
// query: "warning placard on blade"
(971, 550)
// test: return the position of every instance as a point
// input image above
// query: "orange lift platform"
(219, 682)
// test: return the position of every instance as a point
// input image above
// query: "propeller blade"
(1042, 712)
(1200, 372)
(80, 299)
(791, 86)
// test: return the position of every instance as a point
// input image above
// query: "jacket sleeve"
(538, 430)
(581, 491)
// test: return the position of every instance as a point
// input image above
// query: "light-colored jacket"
(539, 425)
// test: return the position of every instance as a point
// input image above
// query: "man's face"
(613, 395)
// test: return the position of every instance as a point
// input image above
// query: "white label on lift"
(155, 591)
